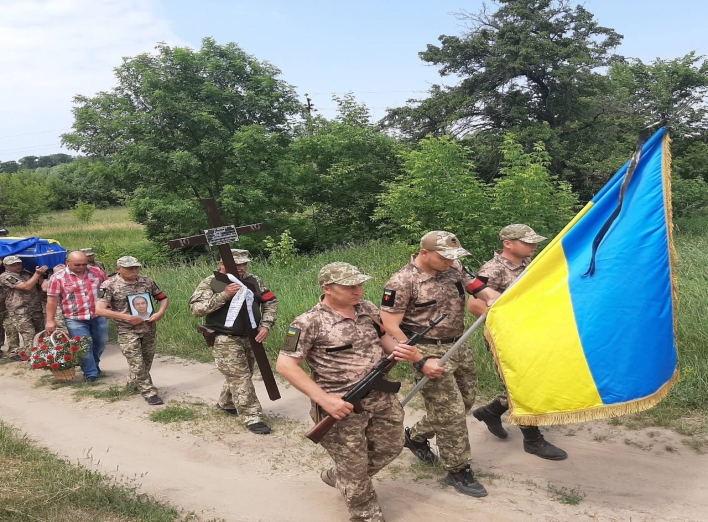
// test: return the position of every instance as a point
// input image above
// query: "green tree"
(438, 190)
(342, 167)
(84, 179)
(177, 122)
(526, 192)
(23, 198)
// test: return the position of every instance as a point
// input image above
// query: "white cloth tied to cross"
(243, 295)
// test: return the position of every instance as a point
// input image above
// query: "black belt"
(425, 340)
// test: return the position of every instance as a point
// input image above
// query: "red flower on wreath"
(74, 348)
(43, 346)
(50, 357)
(36, 357)
(43, 364)
(54, 366)
(68, 357)
(40, 340)
(34, 348)
(59, 348)
(35, 366)
(22, 353)
(77, 338)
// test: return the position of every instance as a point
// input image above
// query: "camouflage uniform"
(24, 308)
(7, 327)
(420, 298)
(232, 353)
(341, 351)
(137, 342)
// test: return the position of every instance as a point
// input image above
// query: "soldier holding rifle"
(434, 283)
(342, 341)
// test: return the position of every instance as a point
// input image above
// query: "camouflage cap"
(127, 262)
(241, 256)
(11, 260)
(87, 251)
(342, 274)
(444, 243)
(521, 232)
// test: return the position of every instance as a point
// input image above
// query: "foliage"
(22, 198)
(84, 179)
(34, 162)
(689, 197)
(526, 192)
(342, 167)
(281, 252)
(56, 351)
(84, 211)
(437, 191)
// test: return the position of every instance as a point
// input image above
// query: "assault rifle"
(374, 380)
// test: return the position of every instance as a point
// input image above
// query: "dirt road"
(231, 474)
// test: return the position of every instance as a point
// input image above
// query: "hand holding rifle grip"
(362, 388)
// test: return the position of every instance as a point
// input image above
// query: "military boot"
(535, 444)
(491, 416)
(464, 482)
(420, 449)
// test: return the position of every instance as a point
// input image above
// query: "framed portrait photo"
(140, 305)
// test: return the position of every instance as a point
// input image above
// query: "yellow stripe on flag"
(561, 381)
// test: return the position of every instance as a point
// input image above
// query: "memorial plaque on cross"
(221, 236)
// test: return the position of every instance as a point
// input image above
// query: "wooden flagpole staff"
(221, 236)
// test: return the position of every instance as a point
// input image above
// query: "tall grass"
(297, 290)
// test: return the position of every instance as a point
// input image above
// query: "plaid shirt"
(77, 294)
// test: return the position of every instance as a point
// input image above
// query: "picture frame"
(144, 308)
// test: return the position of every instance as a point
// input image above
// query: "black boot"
(535, 444)
(491, 416)
(421, 450)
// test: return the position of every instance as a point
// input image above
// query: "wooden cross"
(221, 236)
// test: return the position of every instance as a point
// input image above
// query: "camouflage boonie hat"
(88, 251)
(127, 262)
(241, 256)
(342, 274)
(521, 232)
(444, 243)
(11, 260)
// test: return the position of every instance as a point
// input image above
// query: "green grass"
(571, 497)
(36, 485)
(174, 413)
(297, 290)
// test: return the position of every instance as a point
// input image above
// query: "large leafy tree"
(181, 122)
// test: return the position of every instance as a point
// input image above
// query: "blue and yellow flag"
(587, 331)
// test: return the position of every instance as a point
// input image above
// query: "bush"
(84, 211)
(689, 197)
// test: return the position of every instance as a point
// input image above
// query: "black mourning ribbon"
(643, 137)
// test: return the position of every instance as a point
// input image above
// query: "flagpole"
(441, 362)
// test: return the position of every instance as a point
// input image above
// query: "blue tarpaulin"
(33, 251)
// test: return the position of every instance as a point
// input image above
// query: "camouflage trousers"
(139, 351)
(448, 399)
(7, 328)
(234, 358)
(27, 325)
(361, 445)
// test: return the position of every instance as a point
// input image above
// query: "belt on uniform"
(425, 340)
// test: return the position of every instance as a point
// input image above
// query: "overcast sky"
(51, 50)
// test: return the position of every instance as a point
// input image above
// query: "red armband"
(267, 296)
(475, 286)
(161, 296)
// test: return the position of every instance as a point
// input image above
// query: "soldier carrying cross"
(239, 312)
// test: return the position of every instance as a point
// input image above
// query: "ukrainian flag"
(587, 331)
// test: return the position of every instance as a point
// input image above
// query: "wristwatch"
(419, 365)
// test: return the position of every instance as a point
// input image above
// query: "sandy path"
(238, 476)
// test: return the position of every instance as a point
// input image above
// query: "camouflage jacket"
(501, 272)
(20, 302)
(116, 291)
(339, 351)
(205, 301)
(420, 297)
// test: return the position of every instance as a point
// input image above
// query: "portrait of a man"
(140, 306)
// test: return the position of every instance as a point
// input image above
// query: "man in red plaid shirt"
(76, 287)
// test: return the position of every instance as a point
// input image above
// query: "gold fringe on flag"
(597, 413)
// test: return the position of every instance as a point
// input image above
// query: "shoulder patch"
(13, 280)
(101, 293)
(389, 297)
(292, 337)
